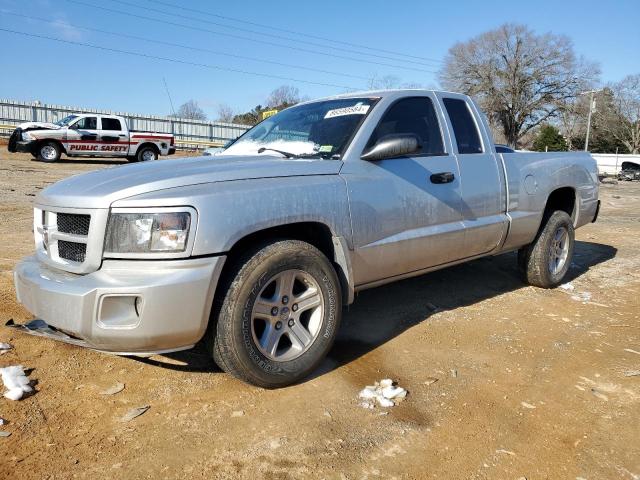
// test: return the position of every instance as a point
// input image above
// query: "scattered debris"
(628, 373)
(2, 421)
(601, 396)
(382, 392)
(527, 405)
(506, 452)
(5, 347)
(567, 286)
(15, 381)
(581, 296)
(631, 351)
(117, 388)
(5, 434)
(430, 381)
(237, 413)
(454, 373)
(134, 413)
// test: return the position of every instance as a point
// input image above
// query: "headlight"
(142, 233)
(27, 137)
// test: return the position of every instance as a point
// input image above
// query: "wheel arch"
(318, 234)
(40, 142)
(148, 144)
(563, 199)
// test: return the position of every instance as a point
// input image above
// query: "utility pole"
(590, 92)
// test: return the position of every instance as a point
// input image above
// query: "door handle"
(442, 177)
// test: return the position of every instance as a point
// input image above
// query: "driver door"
(406, 210)
(82, 137)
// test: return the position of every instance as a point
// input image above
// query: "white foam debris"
(15, 381)
(567, 286)
(582, 296)
(384, 393)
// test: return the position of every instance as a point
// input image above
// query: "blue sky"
(38, 69)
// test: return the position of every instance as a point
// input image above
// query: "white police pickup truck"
(89, 135)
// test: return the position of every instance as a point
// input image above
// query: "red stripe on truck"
(148, 137)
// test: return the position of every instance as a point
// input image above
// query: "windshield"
(318, 129)
(66, 121)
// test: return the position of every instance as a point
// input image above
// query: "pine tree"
(549, 138)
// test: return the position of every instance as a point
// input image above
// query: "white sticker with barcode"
(357, 109)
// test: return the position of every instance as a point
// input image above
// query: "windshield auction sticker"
(357, 109)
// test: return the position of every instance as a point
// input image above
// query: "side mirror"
(390, 146)
(74, 126)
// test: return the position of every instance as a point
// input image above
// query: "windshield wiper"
(289, 154)
(281, 152)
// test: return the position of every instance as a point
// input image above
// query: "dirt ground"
(506, 381)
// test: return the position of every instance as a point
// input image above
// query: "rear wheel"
(545, 262)
(49, 152)
(145, 154)
(279, 315)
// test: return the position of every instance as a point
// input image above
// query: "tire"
(48, 152)
(146, 154)
(246, 323)
(545, 262)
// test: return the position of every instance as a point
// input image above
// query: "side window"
(111, 124)
(414, 115)
(87, 123)
(464, 127)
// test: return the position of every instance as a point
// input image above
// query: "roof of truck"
(379, 93)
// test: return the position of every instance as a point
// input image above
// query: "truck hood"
(100, 188)
(38, 126)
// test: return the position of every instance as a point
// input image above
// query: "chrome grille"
(75, 252)
(68, 238)
(73, 223)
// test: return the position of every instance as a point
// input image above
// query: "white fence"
(189, 133)
(611, 163)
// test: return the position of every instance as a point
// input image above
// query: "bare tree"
(622, 119)
(390, 81)
(225, 113)
(572, 118)
(284, 96)
(520, 78)
(384, 83)
(191, 110)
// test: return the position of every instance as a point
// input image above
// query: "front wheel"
(279, 315)
(49, 152)
(545, 262)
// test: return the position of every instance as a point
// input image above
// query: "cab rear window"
(111, 124)
(464, 127)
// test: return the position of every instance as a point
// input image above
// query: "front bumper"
(172, 150)
(25, 147)
(126, 307)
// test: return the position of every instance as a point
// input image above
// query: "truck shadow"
(382, 313)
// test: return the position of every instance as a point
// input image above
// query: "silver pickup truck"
(256, 251)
